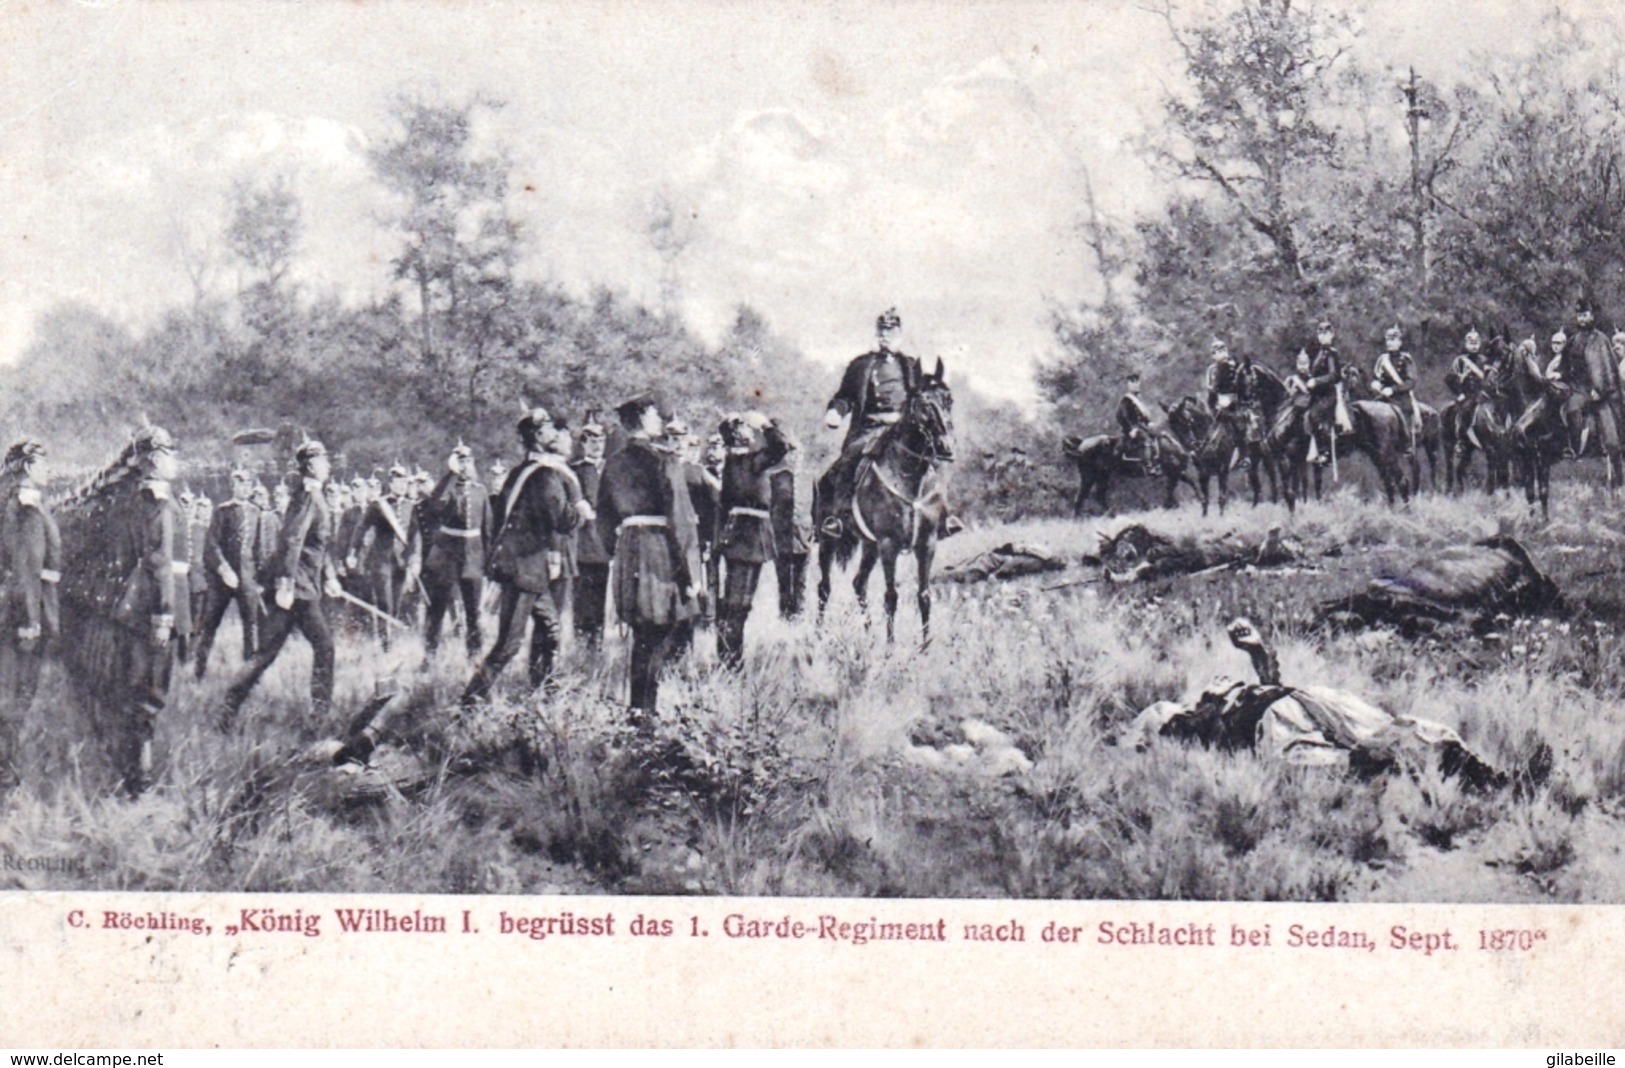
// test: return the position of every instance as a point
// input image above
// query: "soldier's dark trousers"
(310, 619)
(441, 595)
(734, 609)
(19, 678)
(515, 610)
(385, 594)
(791, 570)
(591, 594)
(147, 669)
(651, 644)
(219, 598)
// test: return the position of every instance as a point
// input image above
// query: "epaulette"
(29, 496)
(157, 487)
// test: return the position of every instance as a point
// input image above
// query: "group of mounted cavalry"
(1521, 410)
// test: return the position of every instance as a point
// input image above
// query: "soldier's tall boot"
(543, 647)
(730, 635)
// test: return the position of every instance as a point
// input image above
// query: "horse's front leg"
(888, 568)
(826, 562)
(860, 581)
(925, 551)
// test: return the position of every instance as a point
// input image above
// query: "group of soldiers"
(1563, 389)
(138, 579)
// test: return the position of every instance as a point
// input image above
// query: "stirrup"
(832, 527)
(951, 526)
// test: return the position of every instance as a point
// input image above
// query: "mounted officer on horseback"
(873, 393)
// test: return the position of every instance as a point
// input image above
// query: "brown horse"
(898, 504)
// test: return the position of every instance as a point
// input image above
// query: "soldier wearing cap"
(872, 395)
(1393, 378)
(231, 566)
(1592, 377)
(533, 510)
(119, 590)
(1134, 419)
(1568, 382)
(1325, 392)
(745, 540)
(592, 561)
(647, 524)
(1465, 379)
(452, 528)
(30, 570)
(302, 573)
(382, 550)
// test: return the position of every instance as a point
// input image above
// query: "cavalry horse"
(1099, 460)
(1214, 443)
(897, 503)
(1487, 429)
(1539, 436)
(1374, 428)
(1424, 428)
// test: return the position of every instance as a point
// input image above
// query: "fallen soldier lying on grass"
(1313, 726)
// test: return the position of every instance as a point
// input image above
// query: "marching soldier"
(231, 568)
(1326, 415)
(30, 569)
(453, 527)
(1135, 421)
(592, 562)
(533, 510)
(872, 394)
(647, 524)
(382, 549)
(745, 540)
(792, 537)
(302, 573)
(1393, 378)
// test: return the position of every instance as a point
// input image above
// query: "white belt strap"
(758, 513)
(643, 521)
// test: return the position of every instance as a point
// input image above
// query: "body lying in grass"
(1309, 725)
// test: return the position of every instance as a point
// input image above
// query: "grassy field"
(836, 765)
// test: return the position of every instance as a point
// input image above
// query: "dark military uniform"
(592, 562)
(119, 610)
(647, 524)
(1395, 377)
(745, 538)
(197, 582)
(532, 511)
(301, 561)
(382, 549)
(1134, 420)
(30, 569)
(792, 537)
(1325, 375)
(873, 392)
(453, 527)
(231, 549)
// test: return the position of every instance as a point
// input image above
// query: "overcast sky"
(832, 158)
